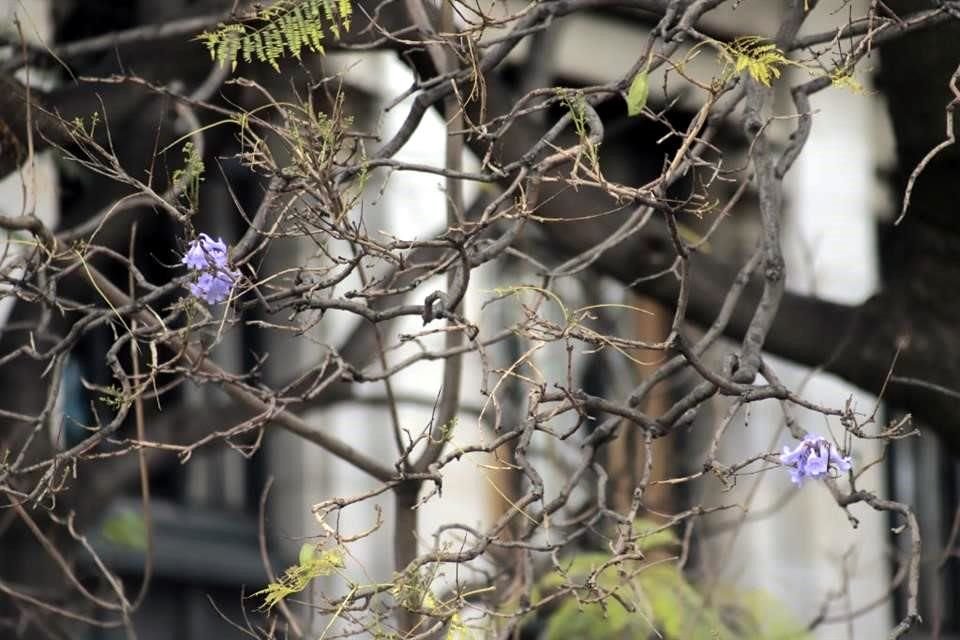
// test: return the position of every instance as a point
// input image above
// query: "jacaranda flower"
(208, 258)
(206, 253)
(815, 457)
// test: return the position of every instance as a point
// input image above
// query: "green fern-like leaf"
(289, 27)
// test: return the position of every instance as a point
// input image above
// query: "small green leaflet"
(308, 553)
(637, 95)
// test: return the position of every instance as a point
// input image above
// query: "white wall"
(33, 189)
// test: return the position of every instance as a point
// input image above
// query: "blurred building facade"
(795, 545)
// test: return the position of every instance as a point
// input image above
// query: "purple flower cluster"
(208, 259)
(813, 458)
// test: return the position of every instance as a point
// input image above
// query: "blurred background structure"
(207, 513)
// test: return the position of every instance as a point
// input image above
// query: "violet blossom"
(208, 259)
(815, 457)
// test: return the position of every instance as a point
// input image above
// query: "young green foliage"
(312, 564)
(446, 431)
(576, 102)
(764, 62)
(843, 78)
(759, 58)
(191, 175)
(80, 128)
(412, 591)
(113, 397)
(291, 26)
(611, 598)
